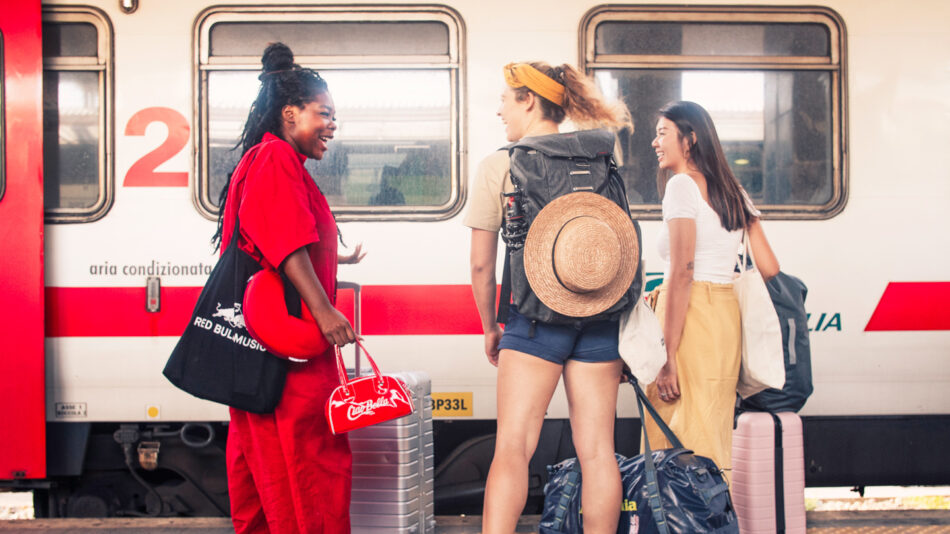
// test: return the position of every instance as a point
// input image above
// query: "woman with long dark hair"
(705, 212)
(286, 471)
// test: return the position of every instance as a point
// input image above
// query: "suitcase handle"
(357, 318)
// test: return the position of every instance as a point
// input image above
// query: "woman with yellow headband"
(536, 100)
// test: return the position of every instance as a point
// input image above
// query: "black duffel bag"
(669, 491)
(216, 358)
(788, 296)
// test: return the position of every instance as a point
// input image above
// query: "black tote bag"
(216, 358)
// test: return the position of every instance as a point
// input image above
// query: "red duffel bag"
(366, 400)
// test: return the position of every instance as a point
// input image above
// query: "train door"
(22, 362)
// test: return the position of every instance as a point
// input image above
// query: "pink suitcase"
(756, 467)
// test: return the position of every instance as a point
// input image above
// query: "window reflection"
(770, 77)
(775, 128)
(71, 139)
(391, 148)
(735, 100)
(77, 182)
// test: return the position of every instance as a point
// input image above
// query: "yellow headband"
(524, 75)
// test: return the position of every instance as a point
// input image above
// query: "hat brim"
(539, 265)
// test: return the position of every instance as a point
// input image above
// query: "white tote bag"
(763, 361)
(641, 342)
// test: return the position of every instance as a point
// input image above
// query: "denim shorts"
(557, 343)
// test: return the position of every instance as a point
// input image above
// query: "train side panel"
(22, 394)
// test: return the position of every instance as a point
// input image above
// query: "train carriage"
(119, 121)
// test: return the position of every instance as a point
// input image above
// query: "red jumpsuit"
(286, 472)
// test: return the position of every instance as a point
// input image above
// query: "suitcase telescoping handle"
(357, 319)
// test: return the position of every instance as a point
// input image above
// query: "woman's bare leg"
(525, 386)
(592, 396)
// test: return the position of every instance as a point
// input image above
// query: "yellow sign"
(452, 404)
(153, 412)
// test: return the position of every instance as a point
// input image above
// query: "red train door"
(22, 360)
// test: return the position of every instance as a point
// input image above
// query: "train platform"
(880, 510)
(834, 522)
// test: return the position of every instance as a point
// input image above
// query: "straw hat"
(581, 254)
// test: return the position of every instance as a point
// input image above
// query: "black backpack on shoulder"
(544, 168)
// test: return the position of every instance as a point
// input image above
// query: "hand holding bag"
(641, 342)
(763, 361)
(366, 400)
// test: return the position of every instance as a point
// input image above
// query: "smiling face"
(309, 128)
(671, 146)
(514, 114)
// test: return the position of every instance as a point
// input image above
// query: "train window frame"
(450, 62)
(103, 64)
(835, 63)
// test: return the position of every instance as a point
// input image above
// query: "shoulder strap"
(504, 299)
(241, 169)
(614, 173)
(571, 480)
(652, 487)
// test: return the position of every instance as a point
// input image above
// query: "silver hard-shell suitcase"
(393, 469)
(393, 462)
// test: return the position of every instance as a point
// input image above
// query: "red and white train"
(118, 120)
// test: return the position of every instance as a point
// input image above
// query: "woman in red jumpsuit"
(286, 472)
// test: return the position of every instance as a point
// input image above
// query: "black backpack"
(544, 168)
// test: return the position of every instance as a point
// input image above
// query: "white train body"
(884, 227)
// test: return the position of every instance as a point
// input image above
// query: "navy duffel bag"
(669, 491)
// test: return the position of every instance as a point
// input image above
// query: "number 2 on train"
(143, 173)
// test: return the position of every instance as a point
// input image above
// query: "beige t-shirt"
(486, 207)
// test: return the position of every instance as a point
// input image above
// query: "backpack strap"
(571, 481)
(505, 298)
(649, 472)
(580, 177)
(614, 174)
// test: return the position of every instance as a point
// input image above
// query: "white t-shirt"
(716, 247)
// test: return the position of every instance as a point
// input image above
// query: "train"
(119, 125)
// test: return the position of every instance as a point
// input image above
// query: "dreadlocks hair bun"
(277, 57)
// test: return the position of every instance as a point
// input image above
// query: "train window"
(395, 78)
(772, 79)
(77, 74)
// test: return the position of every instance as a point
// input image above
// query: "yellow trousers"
(707, 367)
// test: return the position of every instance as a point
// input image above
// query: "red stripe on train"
(912, 306)
(387, 310)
